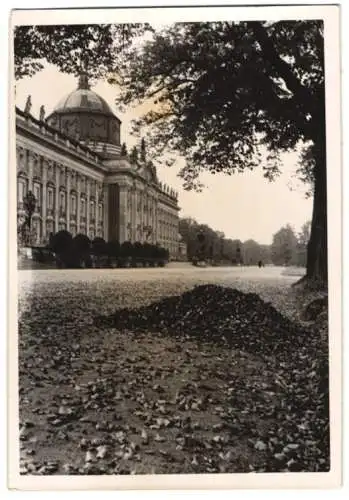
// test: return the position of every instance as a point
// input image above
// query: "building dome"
(87, 117)
(83, 99)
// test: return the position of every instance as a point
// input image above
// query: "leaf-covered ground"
(157, 390)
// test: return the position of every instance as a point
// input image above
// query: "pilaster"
(105, 213)
(68, 200)
(141, 197)
(30, 160)
(78, 203)
(134, 214)
(96, 210)
(123, 212)
(88, 207)
(56, 202)
(44, 202)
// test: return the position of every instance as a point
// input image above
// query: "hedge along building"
(82, 180)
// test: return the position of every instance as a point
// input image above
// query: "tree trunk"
(317, 266)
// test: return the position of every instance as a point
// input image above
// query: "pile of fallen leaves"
(220, 314)
(211, 313)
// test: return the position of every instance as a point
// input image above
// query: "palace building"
(84, 181)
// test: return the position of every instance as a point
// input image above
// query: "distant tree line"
(79, 252)
(204, 243)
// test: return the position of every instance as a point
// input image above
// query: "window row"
(62, 200)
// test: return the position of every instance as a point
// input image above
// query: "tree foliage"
(253, 252)
(303, 238)
(221, 90)
(284, 246)
(203, 242)
(99, 48)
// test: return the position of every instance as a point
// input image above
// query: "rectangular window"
(92, 209)
(50, 198)
(62, 200)
(37, 194)
(73, 204)
(49, 228)
(21, 191)
(100, 212)
(83, 207)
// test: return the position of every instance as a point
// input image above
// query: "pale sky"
(243, 206)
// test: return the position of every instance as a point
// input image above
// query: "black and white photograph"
(176, 247)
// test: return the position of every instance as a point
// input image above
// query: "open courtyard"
(103, 399)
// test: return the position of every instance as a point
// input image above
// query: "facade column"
(56, 202)
(145, 210)
(44, 203)
(78, 203)
(158, 217)
(134, 213)
(151, 218)
(96, 210)
(88, 207)
(138, 213)
(123, 189)
(105, 212)
(155, 221)
(141, 215)
(29, 160)
(68, 200)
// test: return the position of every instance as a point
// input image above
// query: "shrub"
(61, 242)
(126, 249)
(113, 249)
(99, 246)
(138, 252)
(82, 244)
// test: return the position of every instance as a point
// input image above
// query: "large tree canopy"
(72, 48)
(220, 91)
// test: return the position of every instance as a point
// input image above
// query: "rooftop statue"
(28, 105)
(42, 113)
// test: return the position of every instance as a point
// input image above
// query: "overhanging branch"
(302, 94)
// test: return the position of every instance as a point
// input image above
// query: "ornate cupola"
(87, 117)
